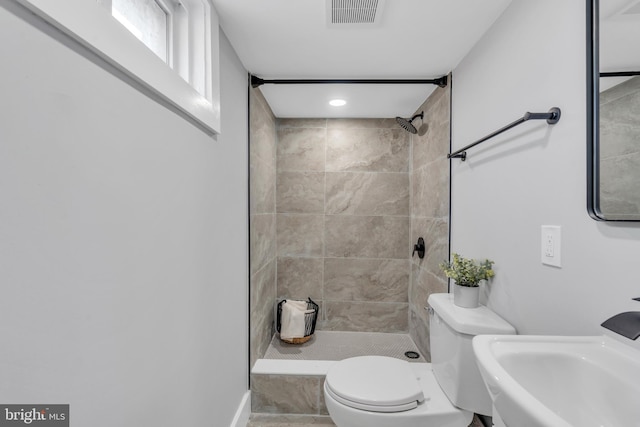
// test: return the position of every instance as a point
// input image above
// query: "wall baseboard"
(243, 412)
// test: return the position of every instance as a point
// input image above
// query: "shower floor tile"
(338, 345)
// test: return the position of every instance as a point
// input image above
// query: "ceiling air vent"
(350, 13)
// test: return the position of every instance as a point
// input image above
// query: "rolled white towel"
(292, 324)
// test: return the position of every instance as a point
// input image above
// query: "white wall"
(532, 59)
(123, 243)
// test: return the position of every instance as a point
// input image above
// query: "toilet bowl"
(377, 391)
(371, 403)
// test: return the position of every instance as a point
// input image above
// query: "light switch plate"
(550, 245)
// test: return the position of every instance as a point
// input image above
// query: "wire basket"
(309, 322)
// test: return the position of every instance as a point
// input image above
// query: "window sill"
(87, 23)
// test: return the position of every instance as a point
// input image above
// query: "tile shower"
(335, 208)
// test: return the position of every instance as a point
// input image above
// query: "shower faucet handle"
(419, 247)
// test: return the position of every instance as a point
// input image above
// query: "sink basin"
(552, 381)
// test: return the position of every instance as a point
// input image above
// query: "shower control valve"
(419, 247)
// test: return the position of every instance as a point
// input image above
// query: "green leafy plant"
(467, 272)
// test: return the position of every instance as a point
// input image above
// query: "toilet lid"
(374, 383)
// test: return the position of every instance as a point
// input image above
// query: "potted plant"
(467, 274)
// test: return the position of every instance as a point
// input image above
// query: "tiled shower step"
(287, 384)
(338, 345)
(289, 379)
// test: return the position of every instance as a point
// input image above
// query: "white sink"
(552, 381)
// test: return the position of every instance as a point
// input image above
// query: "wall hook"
(419, 247)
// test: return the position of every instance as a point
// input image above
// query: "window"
(179, 44)
(175, 31)
(146, 20)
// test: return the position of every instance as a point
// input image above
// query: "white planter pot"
(465, 296)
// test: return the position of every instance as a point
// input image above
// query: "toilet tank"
(451, 330)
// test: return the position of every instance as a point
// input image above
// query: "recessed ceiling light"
(337, 102)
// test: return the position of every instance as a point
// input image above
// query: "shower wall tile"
(419, 332)
(263, 296)
(620, 151)
(301, 149)
(435, 232)
(372, 150)
(432, 142)
(300, 192)
(302, 123)
(262, 142)
(287, 420)
(618, 184)
(430, 196)
(366, 280)
(285, 394)
(619, 119)
(429, 210)
(263, 240)
(262, 218)
(362, 193)
(366, 236)
(384, 123)
(300, 235)
(343, 191)
(300, 278)
(366, 316)
(423, 284)
(263, 190)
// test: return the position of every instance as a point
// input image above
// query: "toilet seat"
(374, 383)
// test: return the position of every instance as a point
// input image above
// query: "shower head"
(407, 124)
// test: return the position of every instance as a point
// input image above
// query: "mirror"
(613, 80)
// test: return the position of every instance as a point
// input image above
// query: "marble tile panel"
(302, 123)
(257, 95)
(286, 420)
(262, 142)
(419, 331)
(263, 291)
(619, 124)
(300, 235)
(300, 278)
(300, 192)
(371, 150)
(301, 149)
(366, 236)
(383, 123)
(423, 284)
(263, 296)
(435, 232)
(434, 98)
(619, 177)
(367, 316)
(366, 279)
(432, 146)
(430, 192)
(619, 91)
(285, 394)
(262, 184)
(262, 240)
(322, 405)
(260, 335)
(364, 193)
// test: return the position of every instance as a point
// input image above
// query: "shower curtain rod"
(257, 81)
(552, 117)
(620, 74)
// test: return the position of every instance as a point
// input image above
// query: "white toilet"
(377, 391)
